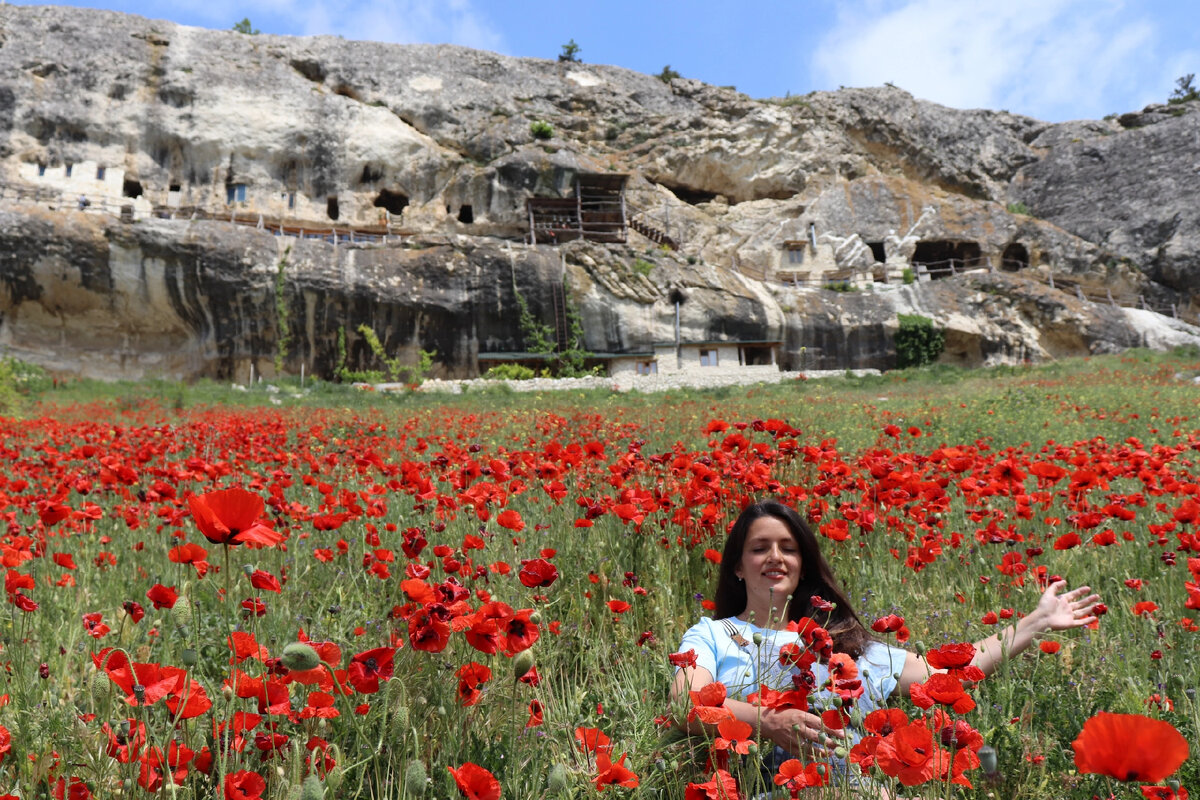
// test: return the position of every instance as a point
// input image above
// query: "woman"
(772, 572)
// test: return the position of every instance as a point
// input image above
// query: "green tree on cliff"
(1185, 89)
(245, 27)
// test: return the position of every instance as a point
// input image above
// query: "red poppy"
(231, 517)
(722, 786)
(591, 740)
(1129, 747)
(367, 668)
(910, 755)
(471, 677)
(162, 596)
(608, 773)
(537, 572)
(536, 714)
(735, 735)
(475, 782)
(796, 775)
(244, 785)
(683, 660)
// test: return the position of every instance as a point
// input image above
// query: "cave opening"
(466, 215)
(942, 258)
(394, 202)
(691, 196)
(331, 207)
(131, 188)
(370, 174)
(877, 251)
(1015, 258)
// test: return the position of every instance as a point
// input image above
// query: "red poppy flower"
(367, 668)
(475, 782)
(1129, 747)
(231, 517)
(735, 735)
(796, 775)
(244, 785)
(608, 773)
(911, 756)
(722, 786)
(591, 740)
(537, 572)
(471, 677)
(162, 596)
(683, 660)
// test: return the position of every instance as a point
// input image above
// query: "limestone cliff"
(163, 127)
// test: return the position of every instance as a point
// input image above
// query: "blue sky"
(1050, 59)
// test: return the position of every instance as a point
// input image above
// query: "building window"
(99, 173)
(708, 358)
(647, 367)
(41, 170)
(796, 256)
(67, 169)
(235, 193)
(291, 200)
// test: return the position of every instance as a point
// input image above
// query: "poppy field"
(344, 595)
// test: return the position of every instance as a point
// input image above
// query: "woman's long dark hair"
(850, 636)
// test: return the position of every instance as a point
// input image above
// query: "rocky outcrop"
(152, 120)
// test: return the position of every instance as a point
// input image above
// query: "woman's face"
(770, 564)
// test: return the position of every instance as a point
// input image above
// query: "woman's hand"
(1066, 611)
(797, 731)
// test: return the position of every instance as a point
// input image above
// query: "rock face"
(164, 126)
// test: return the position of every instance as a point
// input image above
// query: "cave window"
(291, 196)
(646, 368)
(942, 258)
(877, 251)
(466, 215)
(796, 255)
(708, 357)
(370, 174)
(68, 168)
(331, 207)
(174, 187)
(99, 173)
(1015, 258)
(131, 188)
(41, 170)
(235, 193)
(394, 202)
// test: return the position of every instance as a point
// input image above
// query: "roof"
(741, 343)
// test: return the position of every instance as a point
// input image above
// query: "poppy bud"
(400, 720)
(919, 648)
(300, 657)
(415, 778)
(758, 638)
(99, 687)
(181, 612)
(987, 759)
(556, 780)
(522, 663)
(248, 569)
(312, 789)
(1175, 684)
(44, 670)
(536, 617)
(752, 748)
(840, 752)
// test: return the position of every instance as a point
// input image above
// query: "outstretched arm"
(1054, 612)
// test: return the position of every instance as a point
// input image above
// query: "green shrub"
(667, 75)
(908, 275)
(510, 372)
(1018, 208)
(841, 286)
(570, 53)
(918, 341)
(541, 129)
(642, 267)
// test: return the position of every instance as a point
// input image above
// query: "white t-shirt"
(743, 667)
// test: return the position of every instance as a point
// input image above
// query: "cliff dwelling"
(940, 257)
(1015, 258)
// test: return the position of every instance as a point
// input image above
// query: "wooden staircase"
(559, 299)
(652, 233)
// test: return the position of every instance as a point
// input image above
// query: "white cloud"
(1053, 59)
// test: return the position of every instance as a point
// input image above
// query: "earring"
(739, 577)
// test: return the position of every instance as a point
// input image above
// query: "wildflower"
(475, 782)
(1129, 747)
(231, 517)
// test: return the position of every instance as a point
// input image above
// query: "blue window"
(69, 169)
(235, 193)
(99, 173)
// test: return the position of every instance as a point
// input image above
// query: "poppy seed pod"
(300, 657)
(522, 663)
(919, 648)
(536, 617)
(556, 780)
(758, 638)
(189, 657)
(987, 759)
(840, 752)
(415, 778)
